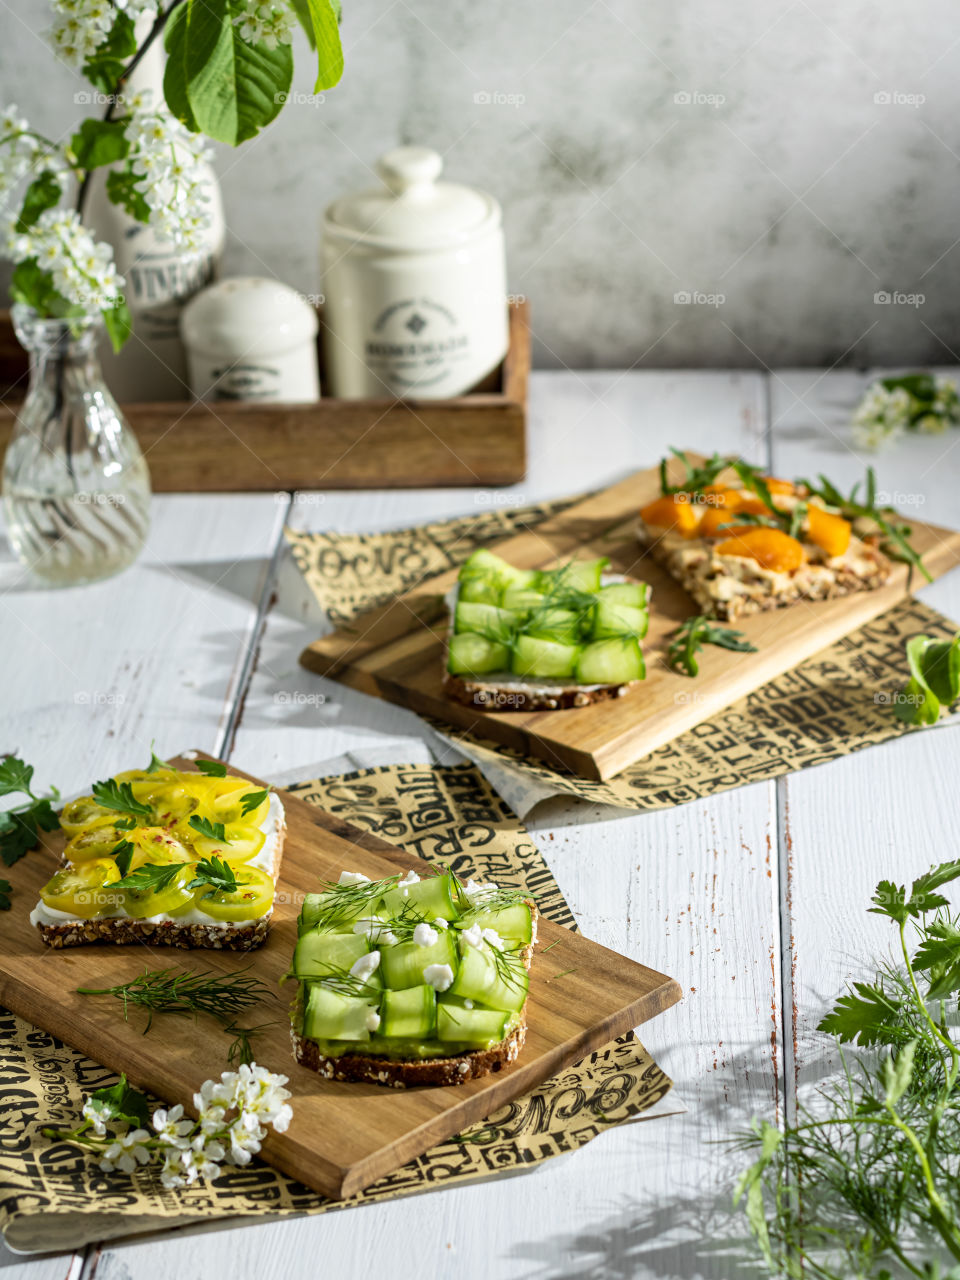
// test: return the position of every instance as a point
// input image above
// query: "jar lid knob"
(410, 171)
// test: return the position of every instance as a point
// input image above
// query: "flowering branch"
(233, 1115)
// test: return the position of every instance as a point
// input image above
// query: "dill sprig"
(498, 900)
(187, 992)
(509, 965)
(340, 980)
(241, 1048)
(341, 903)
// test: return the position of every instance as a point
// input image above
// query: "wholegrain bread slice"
(408, 1073)
(212, 936)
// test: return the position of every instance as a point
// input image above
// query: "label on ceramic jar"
(245, 382)
(158, 285)
(415, 343)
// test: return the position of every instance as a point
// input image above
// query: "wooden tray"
(396, 652)
(475, 439)
(343, 1136)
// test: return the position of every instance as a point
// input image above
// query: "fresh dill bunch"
(341, 903)
(186, 992)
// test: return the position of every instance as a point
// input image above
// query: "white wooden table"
(754, 900)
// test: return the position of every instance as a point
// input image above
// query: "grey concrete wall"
(783, 165)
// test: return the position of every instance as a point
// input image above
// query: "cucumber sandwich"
(535, 639)
(407, 981)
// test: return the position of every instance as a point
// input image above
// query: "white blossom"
(80, 28)
(172, 162)
(83, 270)
(98, 1113)
(126, 1152)
(266, 22)
(881, 416)
(171, 1127)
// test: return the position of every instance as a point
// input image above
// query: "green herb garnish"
(866, 1177)
(157, 765)
(212, 768)
(122, 854)
(20, 826)
(216, 874)
(186, 992)
(345, 902)
(697, 477)
(119, 797)
(934, 679)
(149, 876)
(693, 634)
(252, 800)
(212, 830)
(241, 1050)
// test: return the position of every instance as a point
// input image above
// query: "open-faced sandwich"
(410, 981)
(740, 542)
(167, 858)
(538, 639)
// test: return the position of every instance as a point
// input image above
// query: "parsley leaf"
(20, 826)
(157, 765)
(693, 634)
(213, 768)
(252, 800)
(149, 876)
(119, 797)
(934, 667)
(5, 890)
(867, 1014)
(216, 873)
(122, 854)
(212, 830)
(15, 776)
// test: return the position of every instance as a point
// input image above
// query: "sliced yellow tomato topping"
(158, 845)
(79, 890)
(94, 842)
(241, 843)
(164, 900)
(251, 899)
(84, 812)
(230, 806)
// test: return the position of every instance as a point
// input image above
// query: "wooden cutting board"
(396, 652)
(343, 1136)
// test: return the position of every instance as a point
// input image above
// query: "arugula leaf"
(212, 830)
(697, 478)
(122, 854)
(149, 876)
(252, 800)
(867, 1015)
(212, 768)
(934, 667)
(119, 797)
(693, 634)
(5, 890)
(216, 873)
(751, 478)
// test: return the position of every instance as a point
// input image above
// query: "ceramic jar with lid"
(415, 296)
(251, 339)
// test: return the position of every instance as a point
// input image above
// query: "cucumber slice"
(480, 590)
(635, 594)
(544, 658)
(474, 655)
(499, 984)
(514, 924)
(563, 626)
(483, 563)
(411, 1013)
(331, 1015)
(614, 619)
(522, 600)
(403, 965)
(614, 661)
(319, 953)
(486, 620)
(473, 1028)
(431, 898)
(580, 575)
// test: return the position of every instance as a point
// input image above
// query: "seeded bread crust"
(167, 933)
(490, 696)
(399, 1074)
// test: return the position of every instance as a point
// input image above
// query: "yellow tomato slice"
(84, 812)
(251, 899)
(140, 903)
(157, 845)
(242, 843)
(79, 889)
(228, 807)
(95, 842)
(168, 801)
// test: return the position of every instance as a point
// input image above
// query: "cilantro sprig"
(20, 826)
(217, 875)
(690, 637)
(119, 796)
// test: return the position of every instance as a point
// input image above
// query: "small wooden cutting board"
(343, 1136)
(396, 652)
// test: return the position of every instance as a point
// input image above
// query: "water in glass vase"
(76, 489)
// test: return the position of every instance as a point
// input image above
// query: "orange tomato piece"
(779, 486)
(715, 517)
(829, 532)
(771, 548)
(674, 511)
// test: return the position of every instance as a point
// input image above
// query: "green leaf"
(123, 189)
(5, 890)
(216, 874)
(118, 322)
(920, 385)
(866, 1014)
(252, 800)
(922, 897)
(326, 40)
(149, 876)
(123, 1103)
(15, 775)
(897, 1073)
(693, 634)
(105, 66)
(916, 703)
(31, 284)
(157, 765)
(890, 900)
(749, 1188)
(119, 797)
(99, 142)
(212, 768)
(43, 193)
(122, 854)
(940, 665)
(939, 957)
(229, 89)
(212, 830)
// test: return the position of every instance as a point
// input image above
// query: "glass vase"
(76, 490)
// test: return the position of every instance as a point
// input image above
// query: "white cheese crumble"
(424, 935)
(410, 878)
(493, 938)
(375, 928)
(477, 892)
(372, 1022)
(365, 967)
(468, 1004)
(472, 936)
(440, 923)
(438, 976)
(353, 877)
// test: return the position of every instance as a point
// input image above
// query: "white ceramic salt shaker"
(415, 294)
(251, 339)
